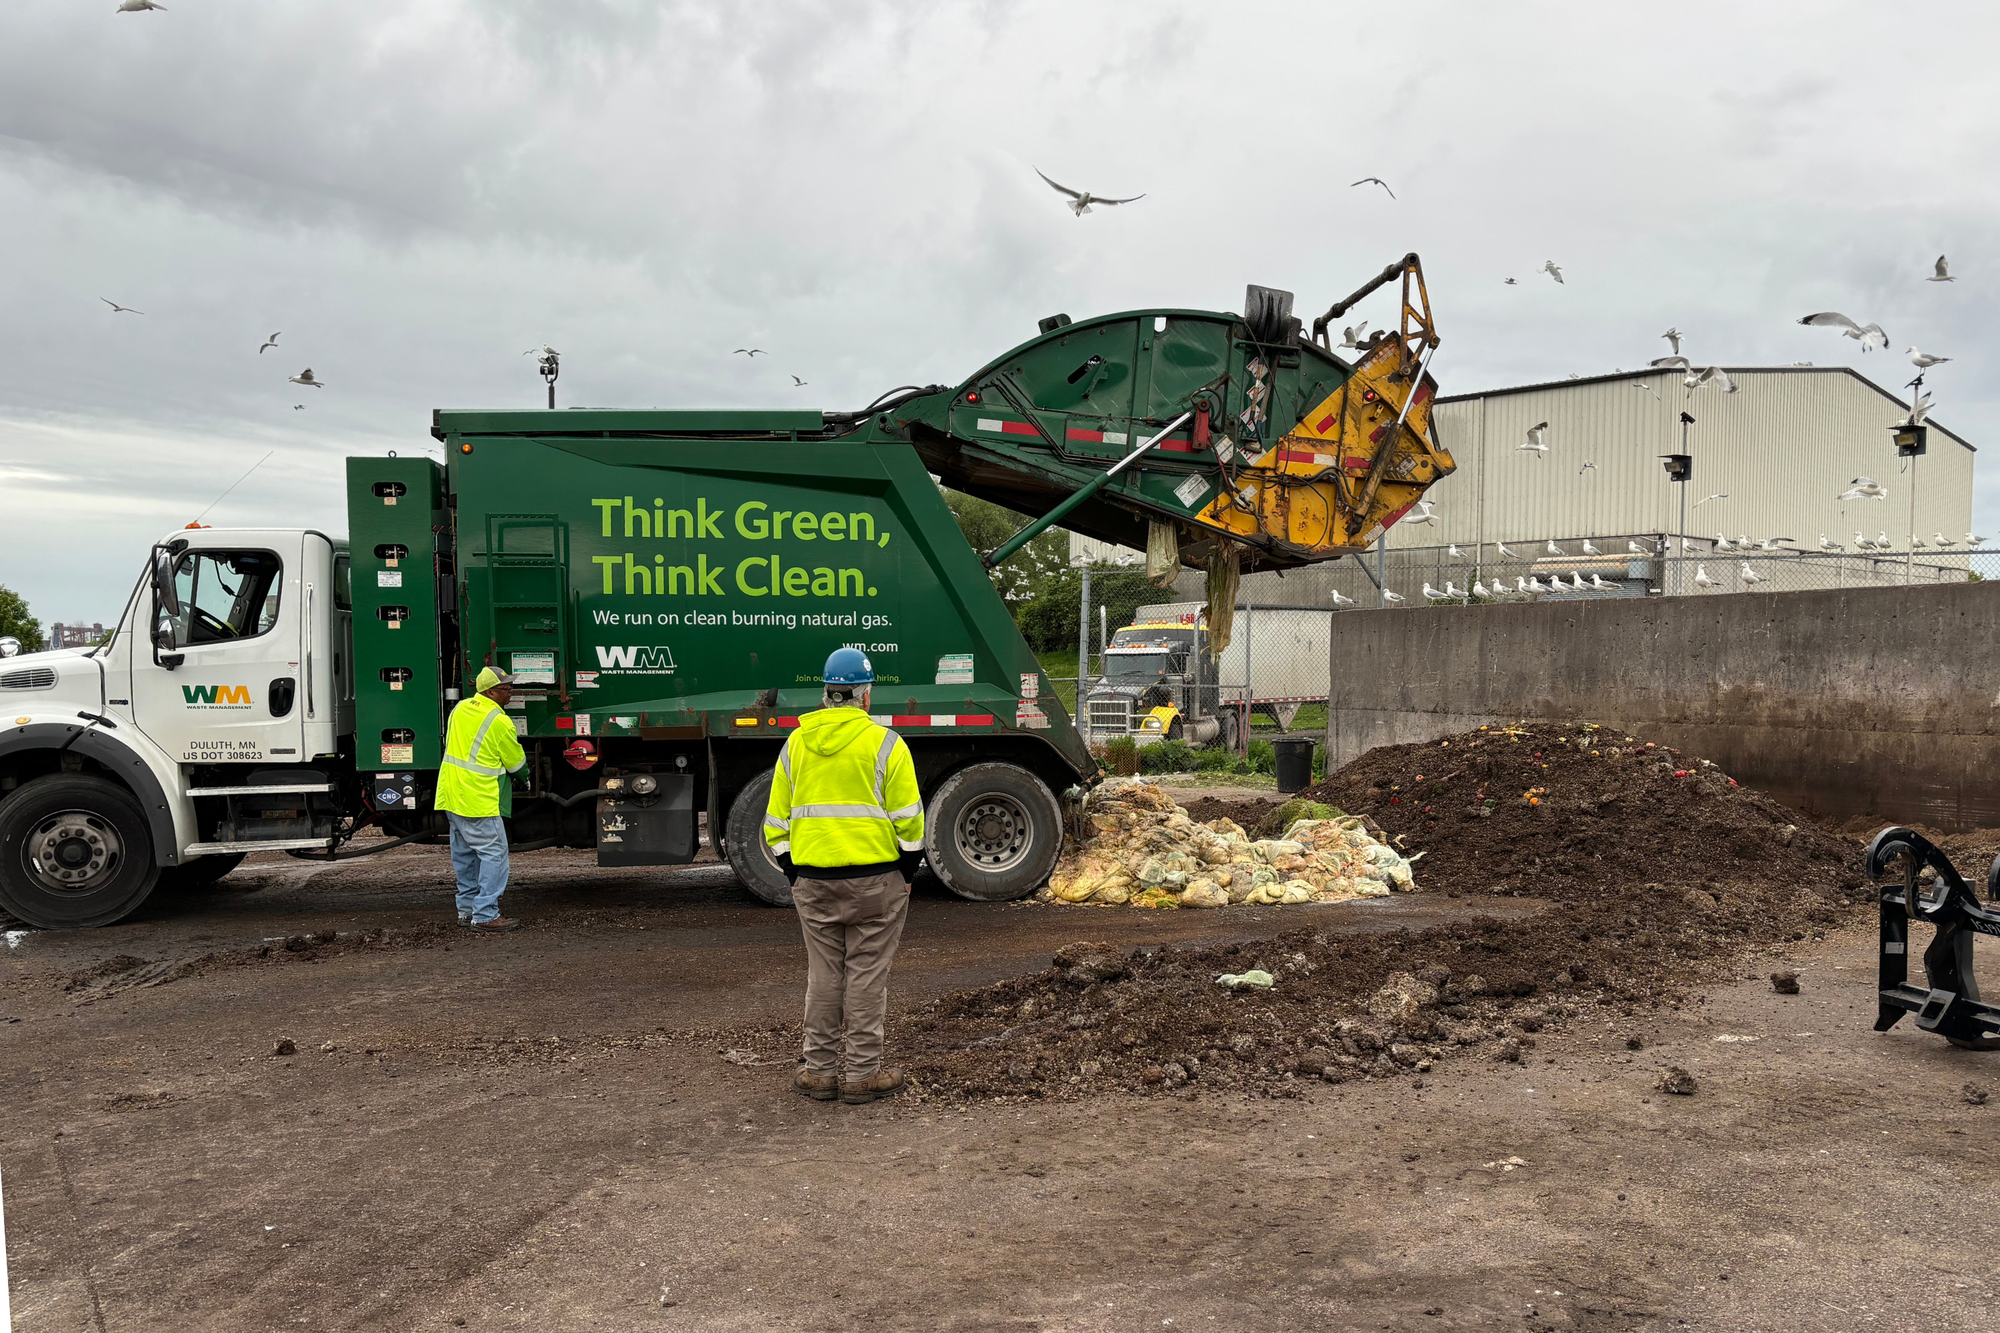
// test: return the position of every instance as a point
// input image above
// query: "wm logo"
(635, 657)
(216, 694)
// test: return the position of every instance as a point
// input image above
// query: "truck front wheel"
(993, 832)
(749, 855)
(74, 851)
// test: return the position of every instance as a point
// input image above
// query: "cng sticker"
(216, 696)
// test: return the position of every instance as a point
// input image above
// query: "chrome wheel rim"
(994, 833)
(73, 851)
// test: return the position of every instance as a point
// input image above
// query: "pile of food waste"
(1140, 849)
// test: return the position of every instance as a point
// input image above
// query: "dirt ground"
(536, 1132)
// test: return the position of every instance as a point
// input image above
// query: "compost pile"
(1662, 871)
(1565, 811)
(1140, 849)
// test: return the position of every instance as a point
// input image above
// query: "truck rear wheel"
(749, 855)
(993, 832)
(74, 851)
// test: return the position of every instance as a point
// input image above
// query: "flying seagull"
(1710, 375)
(1919, 409)
(1642, 384)
(1081, 200)
(298, 407)
(117, 309)
(306, 377)
(1864, 488)
(1511, 283)
(797, 382)
(1671, 363)
(1943, 273)
(750, 352)
(1673, 337)
(1549, 267)
(272, 341)
(1375, 180)
(1924, 360)
(1535, 442)
(1870, 336)
(138, 6)
(1353, 337)
(1719, 495)
(1423, 514)
(1587, 467)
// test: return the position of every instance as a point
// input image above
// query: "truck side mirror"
(164, 596)
(163, 647)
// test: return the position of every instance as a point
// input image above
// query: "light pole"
(1680, 471)
(1912, 439)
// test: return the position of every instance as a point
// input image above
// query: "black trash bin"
(1295, 765)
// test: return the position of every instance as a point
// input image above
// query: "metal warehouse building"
(1779, 451)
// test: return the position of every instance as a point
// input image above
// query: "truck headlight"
(1150, 724)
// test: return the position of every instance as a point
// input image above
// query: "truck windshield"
(1134, 666)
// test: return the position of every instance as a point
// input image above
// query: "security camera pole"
(1912, 441)
(550, 366)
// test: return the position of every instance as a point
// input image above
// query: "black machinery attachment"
(1948, 1004)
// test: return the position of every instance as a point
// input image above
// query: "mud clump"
(1785, 983)
(1673, 1079)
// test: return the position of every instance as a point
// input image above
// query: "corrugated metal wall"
(1782, 449)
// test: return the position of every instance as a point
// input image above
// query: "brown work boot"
(499, 925)
(819, 1087)
(882, 1083)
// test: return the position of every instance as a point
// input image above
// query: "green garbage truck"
(665, 586)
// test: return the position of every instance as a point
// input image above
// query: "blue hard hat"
(849, 666)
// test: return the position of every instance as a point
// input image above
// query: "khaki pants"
(851, 928)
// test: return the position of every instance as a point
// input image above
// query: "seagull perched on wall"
(1943, 273)
(1453, 592)
(1588, 549)
(1749, 576)
(1942, 542)
(1576, 581)
(1339, 600)
(1861, 543)
(1081, 200)
(1689, 548)
(1391, 596)
(1882, 542)
(1535, 584)
(1864, 488)
(1636, 549)
(1722, 543)
(1479, 589)
(1826, 545)
(1918, 543)
(1454, 552)
(1555, 550)
(1971, 540)
(1505, 554)
(1597, 582)
(1536, 443)
(1871, 336)
(1701, 578)
(1432, 594)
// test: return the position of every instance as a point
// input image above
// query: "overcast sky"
(414, 191)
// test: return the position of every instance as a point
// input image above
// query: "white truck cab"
(211, 723)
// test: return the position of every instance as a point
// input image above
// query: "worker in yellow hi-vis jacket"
(481, 748)
(846, 823)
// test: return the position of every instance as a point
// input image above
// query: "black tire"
(1174, 730)
(199, 873)
(1228, 737)
(74, 851)
(992, 832)
(749, 855)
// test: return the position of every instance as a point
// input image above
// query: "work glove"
(790, 871)
(908, 863)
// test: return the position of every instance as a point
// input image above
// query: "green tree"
(16, 622)
(986, 525)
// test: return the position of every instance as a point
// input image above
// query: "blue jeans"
(479, 858)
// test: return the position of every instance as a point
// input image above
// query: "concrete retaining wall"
(1879, 701)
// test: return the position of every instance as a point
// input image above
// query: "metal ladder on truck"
(528, 611)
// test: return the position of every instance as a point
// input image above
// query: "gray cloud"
(415, 193)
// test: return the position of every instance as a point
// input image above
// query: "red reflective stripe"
(926, 719)
(910, 720)
(1390, 521)
(1087, 436)
(565, 724)
(788, 722)
(975, 719)
(1355, 461)
(1326, 423)
(1017, 428)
